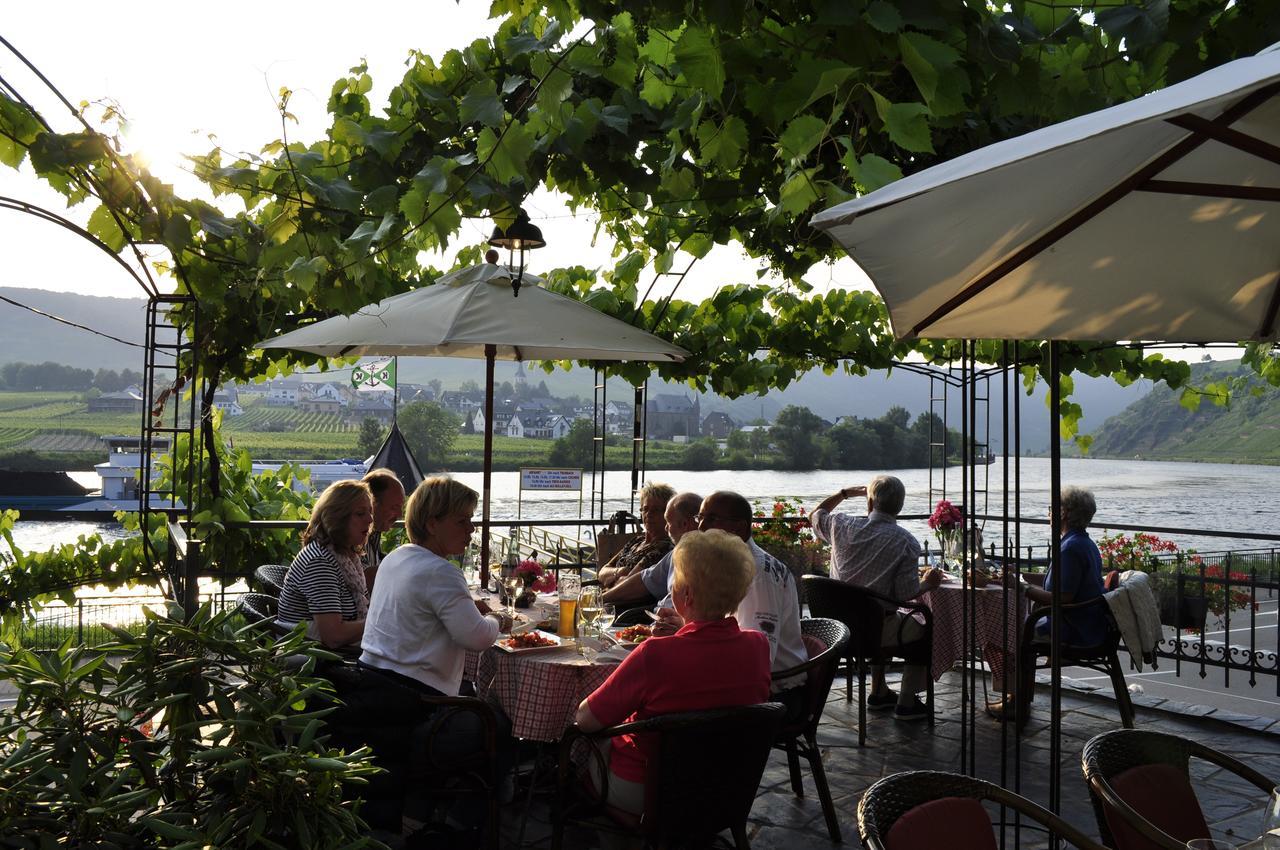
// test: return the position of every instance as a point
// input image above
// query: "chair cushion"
(956, 823)
(814, 645)
(1163, 795)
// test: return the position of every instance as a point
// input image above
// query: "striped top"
(314, 585)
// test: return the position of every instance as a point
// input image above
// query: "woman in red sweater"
(708, 663)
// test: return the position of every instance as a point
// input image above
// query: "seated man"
(388, 505)
(708, 663)
(876, 553)
(654, 582)
(771, 605)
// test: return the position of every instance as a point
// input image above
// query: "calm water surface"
(1198, 496)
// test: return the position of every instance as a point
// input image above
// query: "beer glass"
(570, 585)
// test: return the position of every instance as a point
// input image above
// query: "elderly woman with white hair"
(709, 663)
(1078, 573)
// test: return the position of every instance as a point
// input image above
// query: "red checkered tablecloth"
(993, 632)
(538, 690)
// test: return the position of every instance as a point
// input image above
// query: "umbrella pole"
(490, 352)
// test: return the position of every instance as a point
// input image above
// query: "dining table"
(997, 623)
(538, 689)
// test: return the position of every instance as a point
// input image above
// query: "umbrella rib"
(1171, 155)
(1211, 190)
(1219, 132)
(1268, 327)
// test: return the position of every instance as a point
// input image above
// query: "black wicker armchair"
(1143, 796)
(270, 578)
(1104, 658)
(864, 611)
(702, 780)
(825, 639)
(927, 809)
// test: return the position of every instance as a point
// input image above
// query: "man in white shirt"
(876, 553)
(771, 605)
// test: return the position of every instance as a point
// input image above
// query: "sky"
(180, 72)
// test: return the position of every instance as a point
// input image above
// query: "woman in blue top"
(1079, 569)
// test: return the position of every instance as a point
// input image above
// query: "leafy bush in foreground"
(190, 734)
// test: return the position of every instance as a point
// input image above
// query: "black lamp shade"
(521, 235)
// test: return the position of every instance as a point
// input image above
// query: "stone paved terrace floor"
(779, 821)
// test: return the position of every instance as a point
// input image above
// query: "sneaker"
(916, 710)
(882, 702)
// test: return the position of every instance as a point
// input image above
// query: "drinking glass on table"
(1209, 844)
(608, 613)
(568, 588)
(1271, 822)
(589, 610)
(512, 585)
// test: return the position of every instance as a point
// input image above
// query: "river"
(1201, 496)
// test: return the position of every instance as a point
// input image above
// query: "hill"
(29, 338)
(1157, 427)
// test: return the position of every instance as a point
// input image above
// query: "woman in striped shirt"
(325, 585)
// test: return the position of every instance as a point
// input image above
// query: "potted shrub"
(791, 541)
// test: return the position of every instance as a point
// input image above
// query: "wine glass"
(608, 613)
(1210, 844)
(512, 585)
(589, 610)
(1271, 822)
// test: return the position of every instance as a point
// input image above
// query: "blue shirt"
(1080, 566)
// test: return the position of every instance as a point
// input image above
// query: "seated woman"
(422, 619)
(647, 549)
(708, 663)
(325, 585)
(1079, 572)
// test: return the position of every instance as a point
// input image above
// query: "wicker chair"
(259, 609)
(863, 611)
(270, 578)
(702, 779)
(825, 640)
(947, 812)
(1142, 792)
(1103, 658)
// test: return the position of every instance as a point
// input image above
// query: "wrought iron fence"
(86, 622)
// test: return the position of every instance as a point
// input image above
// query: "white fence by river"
(1195, 496)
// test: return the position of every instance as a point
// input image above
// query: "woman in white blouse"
(422, 619)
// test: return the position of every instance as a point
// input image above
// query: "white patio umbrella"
(471, 313)
(1158, 219)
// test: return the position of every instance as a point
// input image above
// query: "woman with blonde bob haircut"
(708, 663)
(325, 585)
(422, 619)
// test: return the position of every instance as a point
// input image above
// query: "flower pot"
(1187, 612)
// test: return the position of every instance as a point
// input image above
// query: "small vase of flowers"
(946, 521)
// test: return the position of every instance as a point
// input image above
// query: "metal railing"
(86, 621)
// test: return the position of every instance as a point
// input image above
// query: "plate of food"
(631, 636)
(532, 641)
